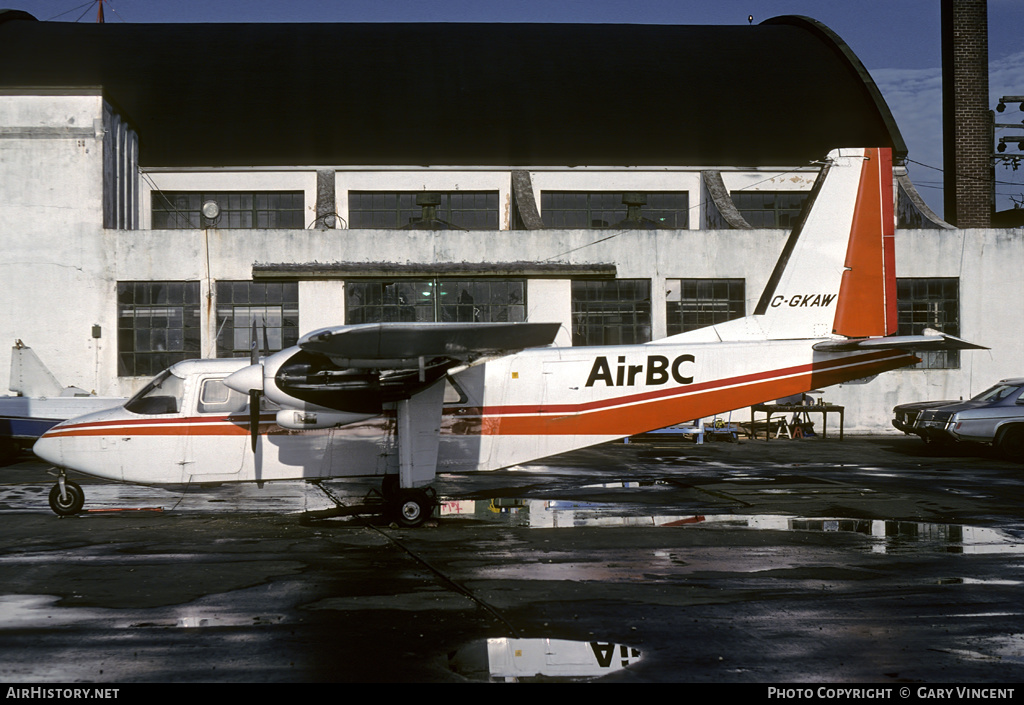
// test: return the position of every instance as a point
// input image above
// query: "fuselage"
(497, 413)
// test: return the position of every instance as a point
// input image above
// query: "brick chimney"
(966, 118)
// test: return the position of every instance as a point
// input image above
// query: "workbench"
(801, 411)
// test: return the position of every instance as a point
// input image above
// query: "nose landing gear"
(66, 497)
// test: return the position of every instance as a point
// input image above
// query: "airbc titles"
(658, 369)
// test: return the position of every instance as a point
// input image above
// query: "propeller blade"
(254, 417)
(254, 353)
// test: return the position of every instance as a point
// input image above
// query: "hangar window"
(611, 312)
(227, 209)
(158, 325)
(770, 209)
(274, 306)
(469, 210)
(695, 303)
(605, 209)
(443, 300)
(930, 303)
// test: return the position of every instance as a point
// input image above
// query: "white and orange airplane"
(404, 401)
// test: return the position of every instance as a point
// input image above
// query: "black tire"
(389, 487)
(70, 505)
(412, 508)
(1011, 443)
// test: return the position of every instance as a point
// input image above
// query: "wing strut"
(419, 431)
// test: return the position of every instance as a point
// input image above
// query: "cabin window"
(930, 303)
(215, 397)
(611, 312)
(158, 324)
(770, 209)
(274, 306)
(605, 209)
(466, 210)
(231, 209)
(442, 300)
(696, 303)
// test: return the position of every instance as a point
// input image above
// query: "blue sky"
(899, 41)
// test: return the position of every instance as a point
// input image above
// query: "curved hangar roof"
(783, 92)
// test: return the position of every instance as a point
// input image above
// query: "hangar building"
(165, 184)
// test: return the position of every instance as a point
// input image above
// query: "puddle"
(886, 535)
(36, 611)
(212, 620)
(540, 660)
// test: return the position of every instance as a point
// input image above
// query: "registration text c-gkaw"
(803, 300)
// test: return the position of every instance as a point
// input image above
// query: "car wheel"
(1011, 443)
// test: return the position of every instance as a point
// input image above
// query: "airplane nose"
(246, 379)
(49, 449)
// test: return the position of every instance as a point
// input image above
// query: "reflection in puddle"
(888, 536)
(36, 611)
(541, 660)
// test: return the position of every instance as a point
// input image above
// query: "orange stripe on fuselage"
(622, 416)
(176, 426)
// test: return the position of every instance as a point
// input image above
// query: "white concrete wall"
(769, 180)
(55, 268)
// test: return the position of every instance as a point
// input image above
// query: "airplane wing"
(931, 340)
(405, 345)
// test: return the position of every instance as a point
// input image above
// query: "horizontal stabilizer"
(396, 344)
(931, 340)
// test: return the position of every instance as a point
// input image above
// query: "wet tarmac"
(869, 560)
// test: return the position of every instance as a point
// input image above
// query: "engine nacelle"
(308, 382)
(306, 420)
(316, 380)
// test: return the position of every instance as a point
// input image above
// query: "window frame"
(935, 304)
(280, 330)
(782, 217)
(607, 209)
(182, 210)
(424, 302)
(595, 302)
(141, 306)
(393, 210)
(706, 292)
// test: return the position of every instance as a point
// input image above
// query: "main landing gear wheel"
(413, 507)
(70, 503)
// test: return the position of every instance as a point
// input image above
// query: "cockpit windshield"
(161, 396)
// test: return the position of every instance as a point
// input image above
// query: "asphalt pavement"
(873, 560)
